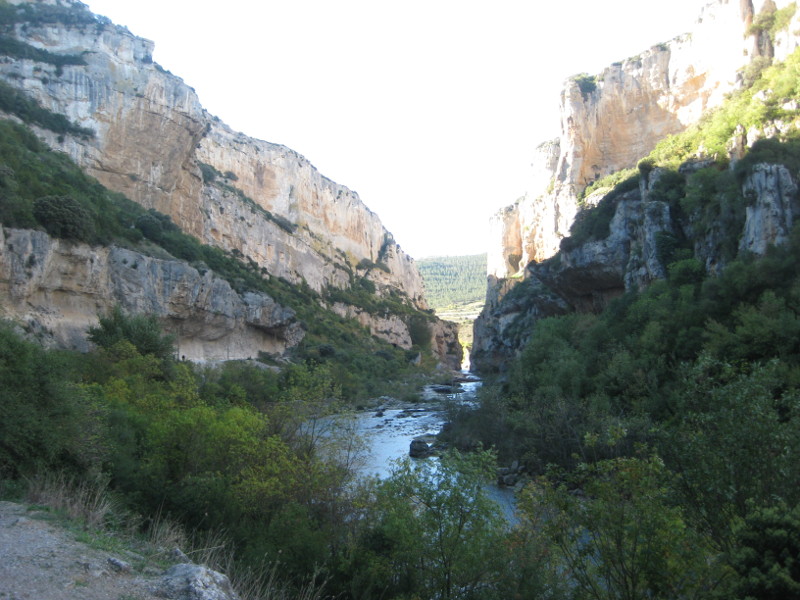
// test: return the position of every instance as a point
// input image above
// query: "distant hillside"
(453, 280)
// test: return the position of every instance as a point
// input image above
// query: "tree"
(64, 217)
(734, 441)
(45, 419)
(143, 331)
(767, 558)
(622, 538)
(438, 533)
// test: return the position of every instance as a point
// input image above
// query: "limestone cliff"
(609, 122)
(57, 288)
(586, 276)
(153, 136)
(156, 144)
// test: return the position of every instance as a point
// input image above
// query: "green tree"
(143, 331)
(767, 556)
(622, 538)
(46, 421)
(64, 217)
(734, 441)
(438, 533)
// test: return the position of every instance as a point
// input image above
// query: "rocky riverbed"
(393, 430)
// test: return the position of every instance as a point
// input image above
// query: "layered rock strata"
(56, 288)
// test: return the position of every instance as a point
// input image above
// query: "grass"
(97, 519)
(81, 501)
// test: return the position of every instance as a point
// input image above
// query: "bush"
(45, 421)
(420, 331)
(773, 151)
(64, 217)
(209, 173)
(143, 331)
(586, 83)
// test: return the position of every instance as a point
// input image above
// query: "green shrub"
(64, 217)
(772, 151)
(628, 179)
(46, 421)
(143, 331)
(209, 173)
(586, 84)
(420, 331)
(771, 21)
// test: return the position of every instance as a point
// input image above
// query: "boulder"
(419, 448)
(187, 581)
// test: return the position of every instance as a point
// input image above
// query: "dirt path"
(40, 560)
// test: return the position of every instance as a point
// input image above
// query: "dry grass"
(165, 535)
(265, 584)
(87, 502)
(90, 504)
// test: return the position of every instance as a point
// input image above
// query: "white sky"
(429, 109)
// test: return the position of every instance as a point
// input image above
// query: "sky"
(429, 109)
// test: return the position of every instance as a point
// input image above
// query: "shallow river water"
(389, 430)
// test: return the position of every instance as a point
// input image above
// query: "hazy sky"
(429, 109)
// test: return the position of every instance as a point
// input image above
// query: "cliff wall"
(611, 120)
(57, 288)
(152, 138)
(156, 144)
(608, 123)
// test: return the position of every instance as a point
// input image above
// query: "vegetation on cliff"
(662, 430)
(45, 189)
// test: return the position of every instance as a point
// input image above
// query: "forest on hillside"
(453, 280)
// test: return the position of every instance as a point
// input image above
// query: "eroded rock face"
(608, 123)
(445, 344)
(57, 288)
(611, 120)
(770, 217)
(156, 144)
(153, 136)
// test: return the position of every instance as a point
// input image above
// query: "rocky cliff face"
(153, 137)
(587, 276)
(609, 122)
(57, 288)
(156, 144)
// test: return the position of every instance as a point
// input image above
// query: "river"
(389, 429)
